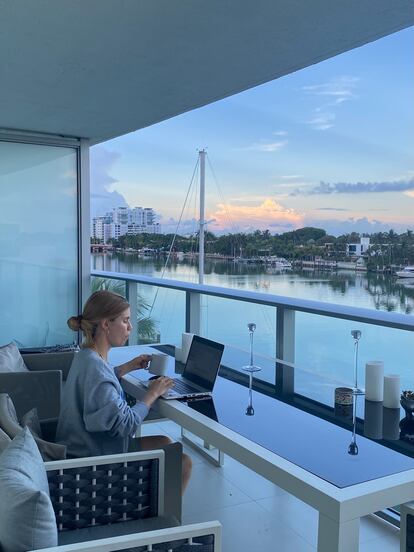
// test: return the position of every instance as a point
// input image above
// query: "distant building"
(120, 215)
(358, 249)
(122, 220)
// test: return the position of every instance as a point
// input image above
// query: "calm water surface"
(324, 345)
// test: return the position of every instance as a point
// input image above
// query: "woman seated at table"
(95, 418)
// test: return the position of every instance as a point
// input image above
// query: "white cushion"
(11, 360)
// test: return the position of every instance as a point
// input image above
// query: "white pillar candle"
(374, 381)
(186, 341)
(392, 391)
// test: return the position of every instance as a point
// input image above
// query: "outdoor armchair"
(116, 502)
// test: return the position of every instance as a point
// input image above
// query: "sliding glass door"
(38, 243)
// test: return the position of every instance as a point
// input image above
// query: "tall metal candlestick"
(356, 334)
(251, 368)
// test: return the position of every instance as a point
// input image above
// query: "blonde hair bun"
(74, 323)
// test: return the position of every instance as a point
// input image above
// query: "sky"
(331, 146)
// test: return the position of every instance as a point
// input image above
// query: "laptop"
(200, 372)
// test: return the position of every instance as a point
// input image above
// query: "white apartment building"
(120, 215)
(122, 220)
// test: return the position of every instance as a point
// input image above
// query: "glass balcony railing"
(302, 346)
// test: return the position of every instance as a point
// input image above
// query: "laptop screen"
(203, 362)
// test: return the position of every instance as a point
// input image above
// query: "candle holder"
(356, 334)
(353, 447)
(251, 369)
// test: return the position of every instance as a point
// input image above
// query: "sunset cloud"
(268, 214)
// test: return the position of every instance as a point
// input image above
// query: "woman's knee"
(153, 442)
(187, 464)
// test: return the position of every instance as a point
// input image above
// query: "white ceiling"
(101, 68)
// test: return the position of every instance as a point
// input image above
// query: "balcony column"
(132, 298)
(192, 312)
(285, 349)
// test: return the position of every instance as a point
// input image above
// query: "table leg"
(338, 537)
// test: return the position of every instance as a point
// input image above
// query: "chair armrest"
(49, 361)
(197, 537)
(105, 489)
(34, 389)
(173, 478)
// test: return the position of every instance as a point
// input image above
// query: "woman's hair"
(101, 305)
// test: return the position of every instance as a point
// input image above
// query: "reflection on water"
(371, 290)
(323, 344)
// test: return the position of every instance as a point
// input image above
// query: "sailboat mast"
(202, 154)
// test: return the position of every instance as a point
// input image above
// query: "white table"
(340, 509)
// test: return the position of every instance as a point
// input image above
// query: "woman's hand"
(141, 362)
(157, 388)
(137, 363)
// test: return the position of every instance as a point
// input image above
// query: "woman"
(95, 418)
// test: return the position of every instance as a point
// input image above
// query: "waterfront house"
(74, 74)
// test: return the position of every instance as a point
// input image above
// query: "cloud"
(338, 88)
(186, 227)
(268, 214)
(410, 193)
(336, 91)
(292, 176)
(327, 188)
(268, 147)
(280, 133)
(323, 121)
(331, 209)
(361, 225)
(102, 199)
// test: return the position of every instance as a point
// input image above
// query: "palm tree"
(147, 330)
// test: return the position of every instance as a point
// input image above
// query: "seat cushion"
(11, 360)
(25, 501)
(8, 417)
(10, 425)
(31, 420)
(116, 529)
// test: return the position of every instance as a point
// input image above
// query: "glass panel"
(38, 243)
(225, 320)
(163, 315)
(325, 354)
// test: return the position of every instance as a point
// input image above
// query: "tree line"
(386, 248)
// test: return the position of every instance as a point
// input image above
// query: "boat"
(278, 262)
(406, 272)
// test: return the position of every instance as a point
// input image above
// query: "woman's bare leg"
(152, 442)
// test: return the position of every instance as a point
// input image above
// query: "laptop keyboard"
(182, 387)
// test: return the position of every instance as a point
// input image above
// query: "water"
(324, 346)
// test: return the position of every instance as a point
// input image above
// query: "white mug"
(158, 365)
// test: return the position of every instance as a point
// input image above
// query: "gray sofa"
(40, 386)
